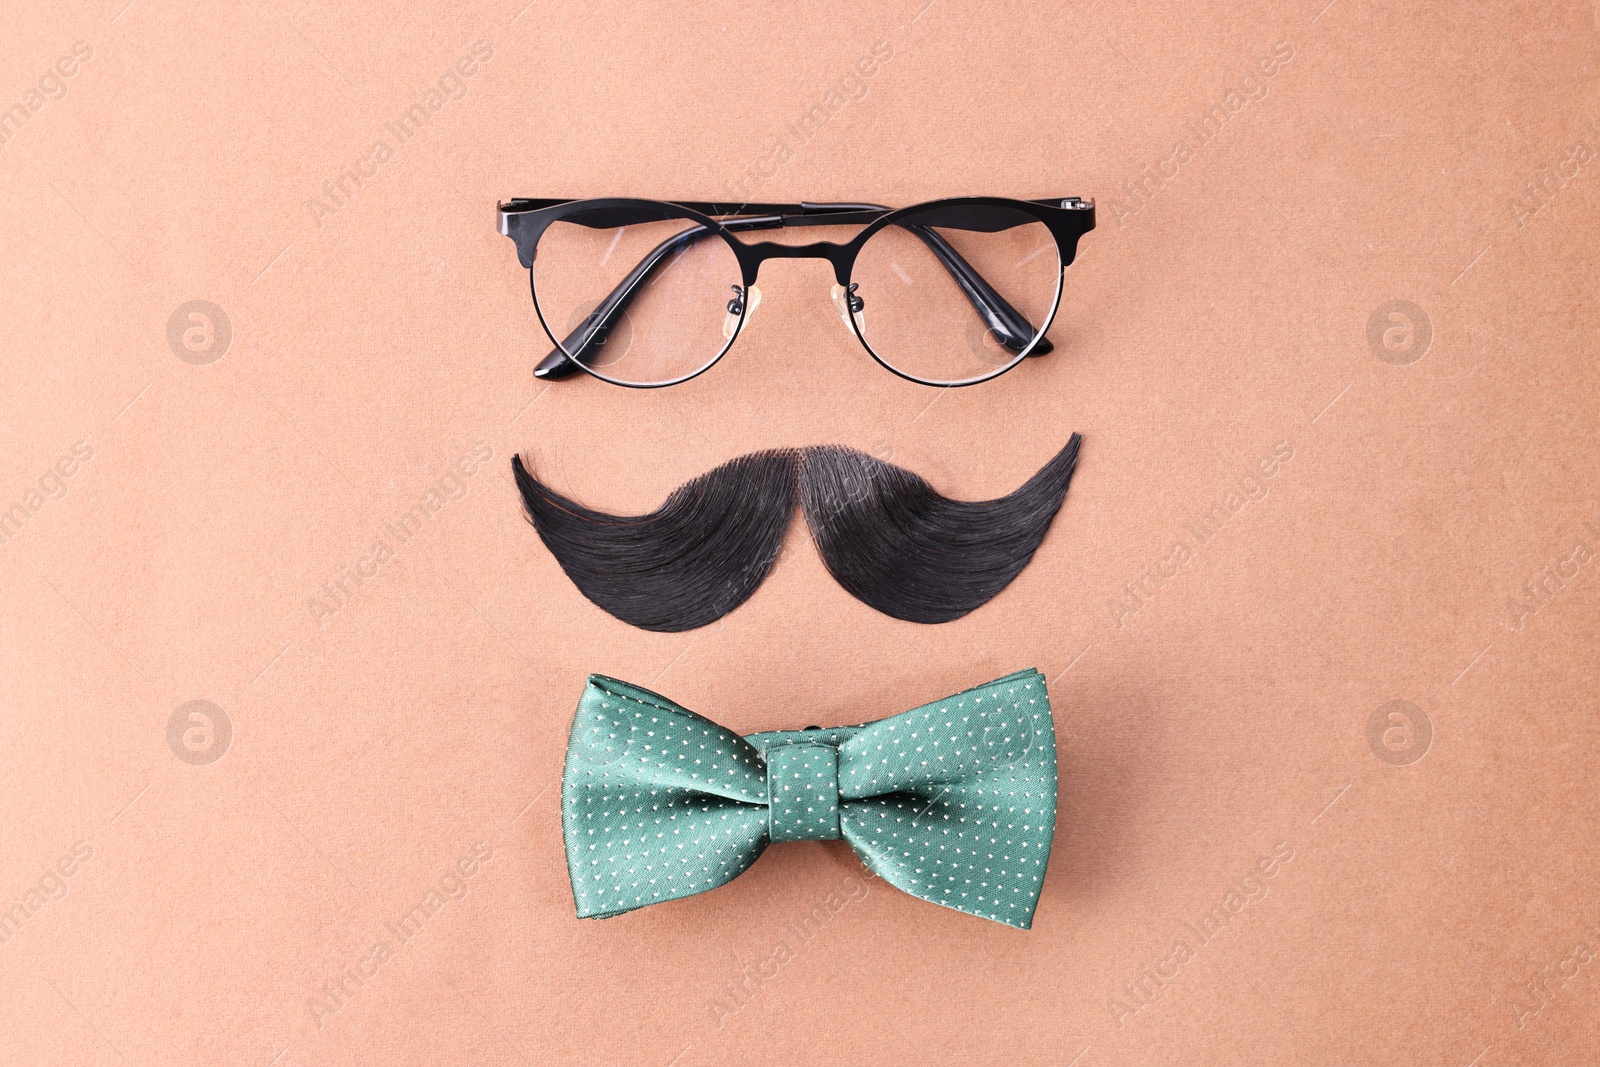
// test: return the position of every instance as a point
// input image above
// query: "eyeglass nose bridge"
(841, 293)
(751, 256)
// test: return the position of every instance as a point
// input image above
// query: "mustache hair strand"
(686, 564)
(899, 546)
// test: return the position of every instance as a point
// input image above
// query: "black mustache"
(897, 545)
(883, 532)
(687, 563)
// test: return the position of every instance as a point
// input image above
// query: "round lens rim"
(670, 211)
(893, 217)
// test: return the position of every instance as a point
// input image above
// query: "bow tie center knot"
(803, 792)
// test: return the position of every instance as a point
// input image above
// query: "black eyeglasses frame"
(526, 220)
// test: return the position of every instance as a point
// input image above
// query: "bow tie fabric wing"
(953, 802)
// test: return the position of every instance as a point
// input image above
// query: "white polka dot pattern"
(953, 802)
(802, 792)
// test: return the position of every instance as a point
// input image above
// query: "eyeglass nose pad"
(848, 303)
(745, 301)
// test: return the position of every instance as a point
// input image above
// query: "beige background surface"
(1430, 538)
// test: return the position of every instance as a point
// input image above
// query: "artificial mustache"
(884, 533)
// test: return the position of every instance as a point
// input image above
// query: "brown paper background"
(1432, 911)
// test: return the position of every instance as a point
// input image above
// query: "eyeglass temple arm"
(1009, 326)
(588, 340)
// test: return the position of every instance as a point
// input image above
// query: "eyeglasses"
(645, 293)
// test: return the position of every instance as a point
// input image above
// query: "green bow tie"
(953, 802)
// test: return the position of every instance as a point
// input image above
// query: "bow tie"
(953, 802)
